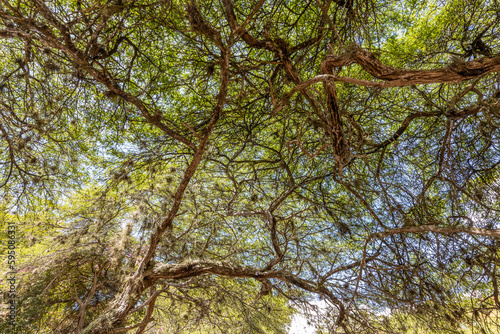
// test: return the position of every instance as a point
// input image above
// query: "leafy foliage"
(203, 166)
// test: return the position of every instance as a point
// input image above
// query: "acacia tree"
(202, 165)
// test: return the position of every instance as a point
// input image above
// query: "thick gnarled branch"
(455, 72)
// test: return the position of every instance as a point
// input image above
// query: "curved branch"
(494, 233)
(402, 129)
(200, 267)
(80, 59)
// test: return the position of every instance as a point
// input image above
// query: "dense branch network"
(213, 178)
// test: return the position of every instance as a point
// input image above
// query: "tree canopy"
(210, 166)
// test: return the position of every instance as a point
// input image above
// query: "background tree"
(203, 165)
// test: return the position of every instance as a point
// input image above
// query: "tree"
(204, 165)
